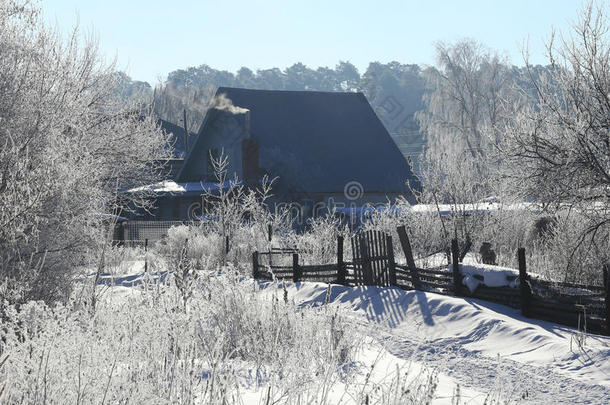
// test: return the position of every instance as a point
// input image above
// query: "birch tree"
(464, 97)
(463, 106)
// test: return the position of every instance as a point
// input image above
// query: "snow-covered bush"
(145, 348)
(569, 252)
(119, 260)
(565, 251)
(505, 229)
(204, 248)
(245, 240)
(234, 214)
(319, 241)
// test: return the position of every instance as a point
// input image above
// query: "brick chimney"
(249, 156)
(247, 124)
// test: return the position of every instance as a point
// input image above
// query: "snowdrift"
(471, 326)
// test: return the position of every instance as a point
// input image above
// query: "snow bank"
(470, 327)
(380, 371)
(478, 344)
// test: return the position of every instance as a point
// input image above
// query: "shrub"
(147, 348)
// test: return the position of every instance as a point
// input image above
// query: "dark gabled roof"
(176, 138)
(323, 140)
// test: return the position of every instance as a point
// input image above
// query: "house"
(178, 144)
(326, 150)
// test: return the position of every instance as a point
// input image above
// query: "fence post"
(255, 265)
(406, 247)
(391, 262)
(145, 256)
(523, 286)
(607, 297)
(455, 261)
(269, 232)
(296, 270)
(341, 270)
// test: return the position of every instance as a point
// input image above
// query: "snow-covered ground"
(484, 348)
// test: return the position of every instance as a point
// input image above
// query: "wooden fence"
(577, 305)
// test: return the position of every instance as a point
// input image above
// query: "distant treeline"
(396, 91)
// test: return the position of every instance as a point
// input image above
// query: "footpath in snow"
(484, 347)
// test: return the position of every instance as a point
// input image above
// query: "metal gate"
(373, 259)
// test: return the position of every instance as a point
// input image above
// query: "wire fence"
(135, 233)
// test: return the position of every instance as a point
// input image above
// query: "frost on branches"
(67, 146)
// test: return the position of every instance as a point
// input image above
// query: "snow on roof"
(444, 209)
(490, 205)
(447, 209)
(171, 187)
(167, 186)
(367, 209)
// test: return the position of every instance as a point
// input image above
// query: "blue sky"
(152, 38)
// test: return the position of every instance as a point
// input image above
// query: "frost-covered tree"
(465, 97)
(171, 102)
(558, 150)
(463, 107)
(560, 147)
(67, 145)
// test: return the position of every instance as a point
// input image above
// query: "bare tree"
(560, 147)
(232, 203)
(557, 151)
(67, 145)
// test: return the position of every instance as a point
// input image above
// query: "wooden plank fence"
(577, 305)
(373, 259)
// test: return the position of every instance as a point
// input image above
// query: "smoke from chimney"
(222, 103)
